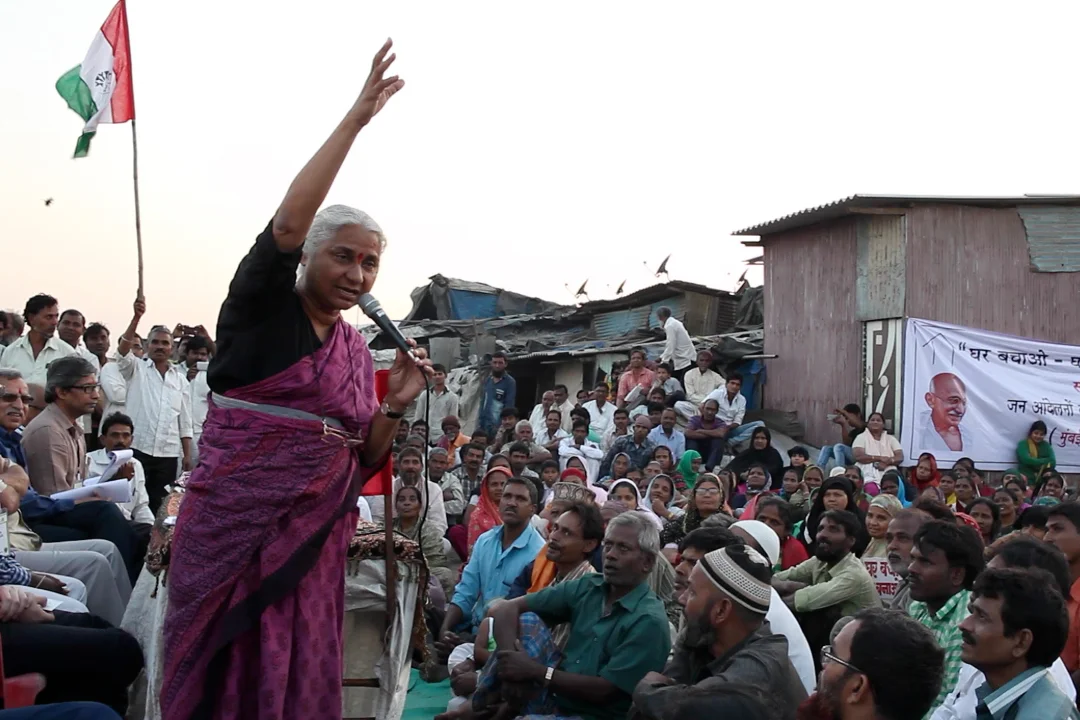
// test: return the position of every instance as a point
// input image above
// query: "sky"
(535, 145)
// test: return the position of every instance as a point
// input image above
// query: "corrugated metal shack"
(462, 322)
(840, 279)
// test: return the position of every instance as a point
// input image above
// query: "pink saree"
(256, 574)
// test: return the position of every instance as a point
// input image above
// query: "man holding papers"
(107, 463)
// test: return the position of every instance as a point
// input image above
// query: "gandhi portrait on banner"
(940, 427)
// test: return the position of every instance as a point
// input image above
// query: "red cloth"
(792, 552)
(380, 482)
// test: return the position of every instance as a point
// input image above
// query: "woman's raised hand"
(378, 89)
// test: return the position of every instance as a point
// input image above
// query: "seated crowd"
(644, 552)
(645, 564)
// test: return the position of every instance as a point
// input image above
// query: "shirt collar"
(1074, 591)
(61, 419)
(521, 540)
(628, 602)
(957, 603)
(1000, 700)
(53, 343)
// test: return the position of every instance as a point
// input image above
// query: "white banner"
(885, 580)
(973, 393)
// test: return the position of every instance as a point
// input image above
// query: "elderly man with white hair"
(615, 611)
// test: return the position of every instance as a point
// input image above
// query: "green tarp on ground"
(425, 700)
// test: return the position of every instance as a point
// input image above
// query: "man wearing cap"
(726, 640)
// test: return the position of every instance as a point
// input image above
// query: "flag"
(382, 479)
(100, 89)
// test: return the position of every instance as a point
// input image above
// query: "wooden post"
(134, 149)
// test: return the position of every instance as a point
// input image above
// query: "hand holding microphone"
(405, 384)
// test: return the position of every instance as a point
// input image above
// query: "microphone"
(371, 307)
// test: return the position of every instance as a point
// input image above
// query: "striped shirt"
(945, 626)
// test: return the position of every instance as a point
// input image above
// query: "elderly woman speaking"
(256, 578)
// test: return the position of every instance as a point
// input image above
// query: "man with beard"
(1015, 631)
(698, 543)
(409, 464)
(945, 560)
(499, 391)
(726, 640)
(1021, 553)
(834, 577)
(32, 353)
(159, 403)
(882, 666)
(574, 536)
(899, 537)
(452, 493)
(618, 634)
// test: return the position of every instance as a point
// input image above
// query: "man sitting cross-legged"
(618, 634)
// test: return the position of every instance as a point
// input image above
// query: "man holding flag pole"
(100, 90)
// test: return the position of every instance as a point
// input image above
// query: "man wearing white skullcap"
(726, 642)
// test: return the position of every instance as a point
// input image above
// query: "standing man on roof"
(678, 348)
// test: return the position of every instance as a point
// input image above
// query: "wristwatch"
(385, 408)
(547, 676)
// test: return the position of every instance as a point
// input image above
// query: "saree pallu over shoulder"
(258, 554)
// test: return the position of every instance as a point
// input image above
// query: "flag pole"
(138, 218)
(134, 149)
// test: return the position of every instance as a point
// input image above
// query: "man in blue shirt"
(666, 434)
(1016, 629)
(500, 390)
(497, 559)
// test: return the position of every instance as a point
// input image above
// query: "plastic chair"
(21, 691)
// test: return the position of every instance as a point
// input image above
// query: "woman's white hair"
(330, 219)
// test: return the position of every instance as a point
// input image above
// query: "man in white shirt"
(539, 413)
(701, 381)
(601, 412)
(32, 353)
(438, 403)
(620, 426)
(552, 432)
(116, 433)
(578, 445)
(410, 466)
(159, 403)
(678, 348)
(732, 408)
(563, 404)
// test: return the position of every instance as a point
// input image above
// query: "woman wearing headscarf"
(407, 521)
(760, 452)
(689, 467)
(706, 499)
(626, 492)
(661, 496)
(485, 514)
(620, 464)
(575, 474)
(837, 493)
(925, 473)
(1034, 453)
(758, 483)
(893, 484)
(295, 430)
(882, 510)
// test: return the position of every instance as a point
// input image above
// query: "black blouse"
(262, 327)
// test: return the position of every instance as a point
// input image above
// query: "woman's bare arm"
(309, 189)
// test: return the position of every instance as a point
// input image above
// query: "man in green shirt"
(945, 559)
(834, 577)
(618, 634)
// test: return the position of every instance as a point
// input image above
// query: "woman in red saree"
(486, 513)
(256, 575)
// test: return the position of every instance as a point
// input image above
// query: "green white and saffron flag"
(100, 89)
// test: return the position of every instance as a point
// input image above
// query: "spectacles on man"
(87, 388)
(12, 397)
(827, 657)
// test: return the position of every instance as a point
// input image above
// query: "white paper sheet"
(117, 460)
(118, 491)
(51, 604)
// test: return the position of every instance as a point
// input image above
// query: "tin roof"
(846, 206)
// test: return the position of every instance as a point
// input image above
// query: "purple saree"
(256, 575)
